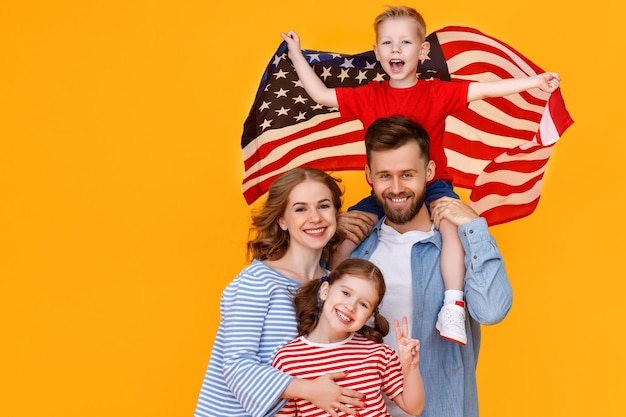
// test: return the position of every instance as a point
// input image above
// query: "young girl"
(332, 313)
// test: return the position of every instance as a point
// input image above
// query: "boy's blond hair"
(394, 12)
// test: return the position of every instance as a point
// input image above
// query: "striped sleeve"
(289, 410)
(393, 379)
(257, 319)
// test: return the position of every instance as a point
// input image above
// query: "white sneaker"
(451, 322)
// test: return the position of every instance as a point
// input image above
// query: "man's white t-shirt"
(393, 257)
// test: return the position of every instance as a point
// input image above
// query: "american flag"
(498, 148)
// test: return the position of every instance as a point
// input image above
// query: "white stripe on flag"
(470, 165)
(547, 128)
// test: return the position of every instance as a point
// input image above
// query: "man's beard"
(401, 216)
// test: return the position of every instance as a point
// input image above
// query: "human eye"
(300, 209)
(407, 42)
(345, 293)
(364, 305)
(325, 205)
(407, 175)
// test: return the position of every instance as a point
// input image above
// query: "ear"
(376, 52)
(424, 50)
(281, 223)
(324, 290)
(368, 174)
(430, 170)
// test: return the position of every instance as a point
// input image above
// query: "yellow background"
(122, 219)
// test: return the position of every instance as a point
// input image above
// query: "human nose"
(395, 185)
(315, 215)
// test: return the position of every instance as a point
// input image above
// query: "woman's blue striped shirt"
(257, 318)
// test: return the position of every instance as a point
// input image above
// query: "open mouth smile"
(317, 231)
(343, 317)
(396, 65)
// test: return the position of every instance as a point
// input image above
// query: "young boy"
(400, 47)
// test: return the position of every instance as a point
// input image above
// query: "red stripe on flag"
(503, 213)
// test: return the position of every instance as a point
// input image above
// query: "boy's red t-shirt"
(428, 103)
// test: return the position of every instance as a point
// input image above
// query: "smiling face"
(310, 216)
(399, 48)
(348, 304)
(398, 177)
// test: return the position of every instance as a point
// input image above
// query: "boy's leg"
(452, 257)
(451, 319)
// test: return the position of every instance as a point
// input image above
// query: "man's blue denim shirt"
(449, 369)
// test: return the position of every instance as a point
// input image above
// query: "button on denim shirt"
(449, 369)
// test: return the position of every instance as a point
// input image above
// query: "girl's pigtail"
(308, 306)
(380, 329)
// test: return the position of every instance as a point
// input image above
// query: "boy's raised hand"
(549, 81)
(408, 349)
(293, 41)
(313, 84)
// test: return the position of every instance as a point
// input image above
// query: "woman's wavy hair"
(309, 305)
(270, 242)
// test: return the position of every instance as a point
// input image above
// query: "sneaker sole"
(450, 338)
(458, 342)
